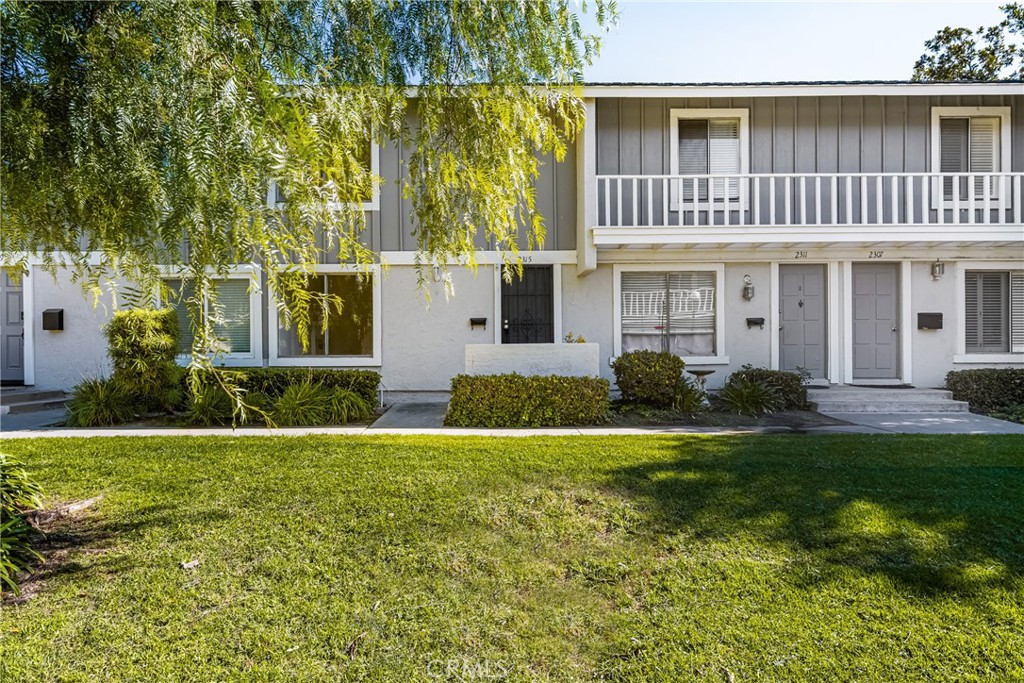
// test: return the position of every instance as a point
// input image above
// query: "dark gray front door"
(527, 307)
(12, 330)
(876, 337)
(802, 314)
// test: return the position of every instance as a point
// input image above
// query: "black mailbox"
(929, 321)
(755, 322)
(53, 319)
(478, 322)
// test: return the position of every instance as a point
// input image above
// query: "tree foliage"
(990, 53)
(150, 133)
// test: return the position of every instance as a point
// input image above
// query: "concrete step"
(33, 406)
(880, 394)
(13, 397)
(892, 407)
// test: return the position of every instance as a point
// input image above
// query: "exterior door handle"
(894, 328)
(505, 324)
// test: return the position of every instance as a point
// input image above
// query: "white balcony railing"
(791, 199)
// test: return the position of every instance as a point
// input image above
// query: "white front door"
(12, 330)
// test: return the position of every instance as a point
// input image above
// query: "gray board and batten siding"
(805, 135)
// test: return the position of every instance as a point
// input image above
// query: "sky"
(675, 41)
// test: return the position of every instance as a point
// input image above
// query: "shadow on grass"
(931, 521)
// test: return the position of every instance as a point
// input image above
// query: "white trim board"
(629, 90)
(330, 361)
(721, 357)
(483, 258)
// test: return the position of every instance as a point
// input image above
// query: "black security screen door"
(527, 307)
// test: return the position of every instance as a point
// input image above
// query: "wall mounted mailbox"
(478, 322)
(929, 321)
(53, 319)
(755, 322)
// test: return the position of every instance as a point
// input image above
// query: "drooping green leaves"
(144, 136)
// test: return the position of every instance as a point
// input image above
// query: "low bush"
(648, 377)
(100, 403)
(511, 401)
(143, 345)
(272, 382)
(748, 397)
(987, 389)
(302, 405)
(348, 406)
(788, 386)
(689, 400)
(208, 406)
(19, 493)
(1012, 413)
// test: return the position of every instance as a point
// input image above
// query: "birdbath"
(702, 379)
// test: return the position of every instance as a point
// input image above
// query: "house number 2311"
(875, 254)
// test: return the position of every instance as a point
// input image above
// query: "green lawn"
(746, 558)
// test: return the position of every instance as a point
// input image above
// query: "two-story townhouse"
(867, 233)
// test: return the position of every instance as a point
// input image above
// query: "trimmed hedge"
(272, 382)
(648, 377)
(987, 389)
(142, 344)
(511, 401)
(788, 386)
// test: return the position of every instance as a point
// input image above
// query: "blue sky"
(766, 41)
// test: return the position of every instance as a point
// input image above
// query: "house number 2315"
(875, 254)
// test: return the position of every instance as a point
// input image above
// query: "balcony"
(633, 210)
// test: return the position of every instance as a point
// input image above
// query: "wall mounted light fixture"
(748, 288)
(938, 269)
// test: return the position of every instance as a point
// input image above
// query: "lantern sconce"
(938, 269)
(748, 288)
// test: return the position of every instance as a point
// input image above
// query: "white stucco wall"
(63, 359)
(567, 360)
(423, 348)
(932, 350)
(587, 310)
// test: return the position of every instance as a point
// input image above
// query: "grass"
(760, 558)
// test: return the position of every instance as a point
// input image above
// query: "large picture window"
(350, 337)
(674, 311)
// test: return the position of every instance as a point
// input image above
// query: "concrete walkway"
(428, 419)
(929, 423)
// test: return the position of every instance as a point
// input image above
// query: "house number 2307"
(875, 254)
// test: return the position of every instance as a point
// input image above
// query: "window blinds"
(1017, 311)
(986, 323)
(969, 145)
(232, 316)
(709, 147)
(668, 303)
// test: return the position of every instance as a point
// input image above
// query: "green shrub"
(788, 385)
(1012, 413)
(19, 493)
(987, 389)
(748, 397)
(143, 345)
(272, 382)
(100, 403)
(689, 400)
(648, 377)
(303, 405)
(211, 405)
(511, 401)
(348, 406)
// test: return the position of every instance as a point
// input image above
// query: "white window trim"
(556, 299)
(255, 355)
(744, 117)
(717, 268)
(961, 355)
(372, 205)
(331, 361)
(1005, 149)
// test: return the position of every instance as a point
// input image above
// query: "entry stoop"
(22, 400)
(850, 399)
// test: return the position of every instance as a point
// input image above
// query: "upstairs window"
(970, 141)
(369, 196)
(709, 142)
